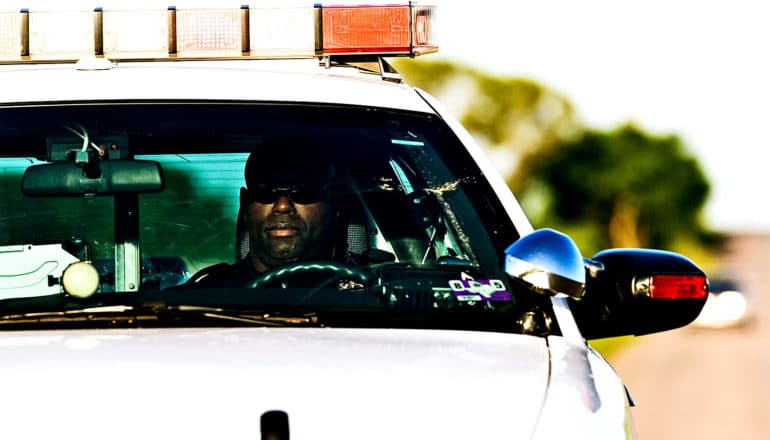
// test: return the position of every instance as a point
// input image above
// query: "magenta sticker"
(479, 290)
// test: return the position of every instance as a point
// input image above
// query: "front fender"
(585, 398)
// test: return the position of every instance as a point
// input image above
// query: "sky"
(699, 70)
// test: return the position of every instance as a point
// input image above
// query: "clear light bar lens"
(135, 33)
(282, 31)
(362, 29)
(423, 29)
(10, 36)
(208, 31)
(61, 34)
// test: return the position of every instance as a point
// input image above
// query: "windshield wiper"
(84, 314)
(265, 319)
(97, 309)
(157, 312)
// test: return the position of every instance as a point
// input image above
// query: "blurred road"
(708, 384)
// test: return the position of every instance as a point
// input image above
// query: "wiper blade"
(86, 313)
(97, 309)
(265, 319)
(158, 312)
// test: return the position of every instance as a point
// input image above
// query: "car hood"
(216, 383)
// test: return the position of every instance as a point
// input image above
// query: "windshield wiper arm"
(63, 315)
(158, 310)
(252, 318)
(97, 309)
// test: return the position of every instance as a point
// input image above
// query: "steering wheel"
(335, 271)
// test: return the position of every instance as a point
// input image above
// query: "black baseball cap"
(290, 160)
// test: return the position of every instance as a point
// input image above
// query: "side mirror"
(548, 262)
(640, 291)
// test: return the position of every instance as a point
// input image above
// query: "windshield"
(365, 215)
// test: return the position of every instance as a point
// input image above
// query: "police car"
(393, 289)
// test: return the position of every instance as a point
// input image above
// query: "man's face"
(285, 230)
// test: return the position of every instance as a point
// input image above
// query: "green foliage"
(638, 189)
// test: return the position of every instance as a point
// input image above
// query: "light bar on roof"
(224, 33)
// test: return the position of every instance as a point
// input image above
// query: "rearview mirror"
(65, 179)
(640, 291)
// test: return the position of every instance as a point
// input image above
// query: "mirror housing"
(65, 179)
(548, 262)
(640, 291)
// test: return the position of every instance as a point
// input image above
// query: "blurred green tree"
(622, 188)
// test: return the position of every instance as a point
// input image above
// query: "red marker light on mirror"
(677, 287)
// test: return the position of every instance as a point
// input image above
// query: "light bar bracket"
(368, 64)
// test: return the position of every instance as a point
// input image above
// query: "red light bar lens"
(678, 287)
(362, 29)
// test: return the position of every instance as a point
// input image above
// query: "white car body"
(333, 383)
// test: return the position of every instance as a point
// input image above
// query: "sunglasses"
(301, 193)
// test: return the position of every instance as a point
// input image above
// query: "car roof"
(299, 80)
